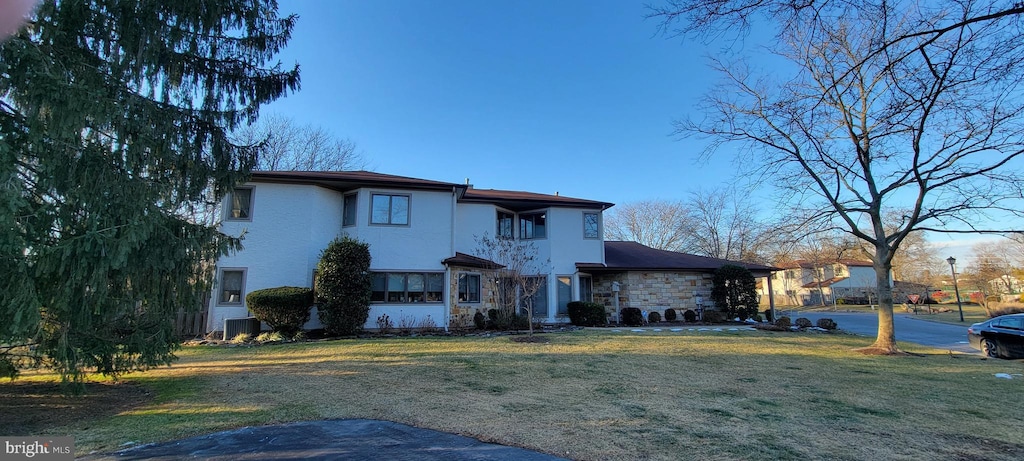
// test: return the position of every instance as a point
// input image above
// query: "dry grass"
(600, 395)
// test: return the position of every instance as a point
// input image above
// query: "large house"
(424, 238)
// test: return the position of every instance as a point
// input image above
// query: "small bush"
(714, 317)
(587, 314)
(670, 315)
(427, 325)
(270, 337)
(689, 316)
(803, 322)
(653, 316)
(479, 320)
(783, 322)
(768, 315)
(384, 324)
(632, 316)
(405, 324)
(285, 309)
(827, 324)
(1006, 309)
(757, 318)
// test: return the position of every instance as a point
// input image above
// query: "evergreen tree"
(114, 121)
(343, 286)
(734, 291)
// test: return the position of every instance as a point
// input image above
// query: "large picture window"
(469, 288)
(407, 287)
(240, 205)
(532, 225)
(389, 209)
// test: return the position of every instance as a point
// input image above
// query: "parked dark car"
(1002, 336)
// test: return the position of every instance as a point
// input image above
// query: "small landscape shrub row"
(785, 324)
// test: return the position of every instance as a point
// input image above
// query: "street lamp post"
(956, 288)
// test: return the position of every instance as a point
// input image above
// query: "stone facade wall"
(654, 291)
(462, 312)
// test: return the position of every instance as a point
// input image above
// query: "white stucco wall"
(290, 226)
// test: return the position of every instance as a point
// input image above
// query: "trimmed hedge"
(653, 316)
(689, 316)
(803, 322)
(587, 314)
(285, 309)
(632, 316)
(713, 317)
(827, 324)
(670, 315)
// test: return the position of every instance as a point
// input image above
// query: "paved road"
(909, 328)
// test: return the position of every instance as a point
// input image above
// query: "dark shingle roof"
(465, 260)
(522, 201)
(348, 180)
(632, 256)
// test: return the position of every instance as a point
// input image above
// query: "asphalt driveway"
(355, 439)
(909, 328)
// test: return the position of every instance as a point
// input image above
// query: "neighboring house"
(805, 283)
(656, 280)
(424, 243)
(1006, 284)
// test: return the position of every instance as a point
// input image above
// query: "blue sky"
(568, 96)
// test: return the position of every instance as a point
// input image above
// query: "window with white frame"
(469, 288)
(348, 216)
(591, 225)
(407, 287)
(532, 225)
(239, 205)
(389, 209)
(232, 286)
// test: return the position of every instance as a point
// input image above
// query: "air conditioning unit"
(235, 327)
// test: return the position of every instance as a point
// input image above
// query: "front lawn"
(593, 394)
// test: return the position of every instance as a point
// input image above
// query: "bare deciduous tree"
(289, 146)
(726, 227)
(892, 104)
(518, 279)
(658, 224)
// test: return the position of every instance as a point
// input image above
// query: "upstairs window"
(389, 209)
(240, 205)
(532, 225)
(348, 217)
(505, 221)
(591, 226)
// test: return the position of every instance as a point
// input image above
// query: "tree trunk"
(885, 342)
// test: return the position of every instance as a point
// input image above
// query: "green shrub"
(670, 315)
(783, 322)
(587, 314)
(803, 322)
(343, 285)
(653, 316)
(713, 317)
(768, 315)
(827, 324)
(504, 319)
(632, 316)
(689, 316)
(757, 318)
(285, 309)
(479, 320)
(734, 291)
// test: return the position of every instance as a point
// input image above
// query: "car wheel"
(990, 348)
